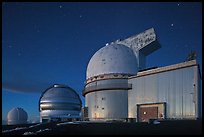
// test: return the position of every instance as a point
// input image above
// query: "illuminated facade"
(174, 92)
(116, 88)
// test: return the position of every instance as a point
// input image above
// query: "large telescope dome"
(113, 58)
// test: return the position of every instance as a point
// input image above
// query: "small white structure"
(17, 116)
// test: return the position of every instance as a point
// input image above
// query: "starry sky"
(47, 43)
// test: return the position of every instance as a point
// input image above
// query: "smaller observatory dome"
(59, 100)
(17, 116)
(60, 93)
(113, 58)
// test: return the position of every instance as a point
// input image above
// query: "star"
(186, 45)
(57, 48)
(178, 4)
(172, 24)
(60, 6)
(80, 16)
(19, 54)
(10, 46)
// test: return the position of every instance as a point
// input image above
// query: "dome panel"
(60, 94)
(114, 58)
(17, 116)
(59, 101)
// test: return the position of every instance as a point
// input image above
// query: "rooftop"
(166, 68)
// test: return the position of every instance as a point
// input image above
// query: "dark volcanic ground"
(179, 127)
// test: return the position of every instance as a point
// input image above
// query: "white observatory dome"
(17, 116)
(114, 58)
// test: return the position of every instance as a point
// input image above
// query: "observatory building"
(17, 116)
(59, 102)
(118, 85)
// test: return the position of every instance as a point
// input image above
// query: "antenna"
(191, 56)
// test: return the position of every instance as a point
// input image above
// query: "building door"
(146, 113)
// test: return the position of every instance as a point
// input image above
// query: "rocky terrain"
(179, 127)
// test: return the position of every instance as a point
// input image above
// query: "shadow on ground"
(179, 127)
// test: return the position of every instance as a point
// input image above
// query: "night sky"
(47, 43)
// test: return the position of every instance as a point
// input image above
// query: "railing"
(113, 86)
(107, 76)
